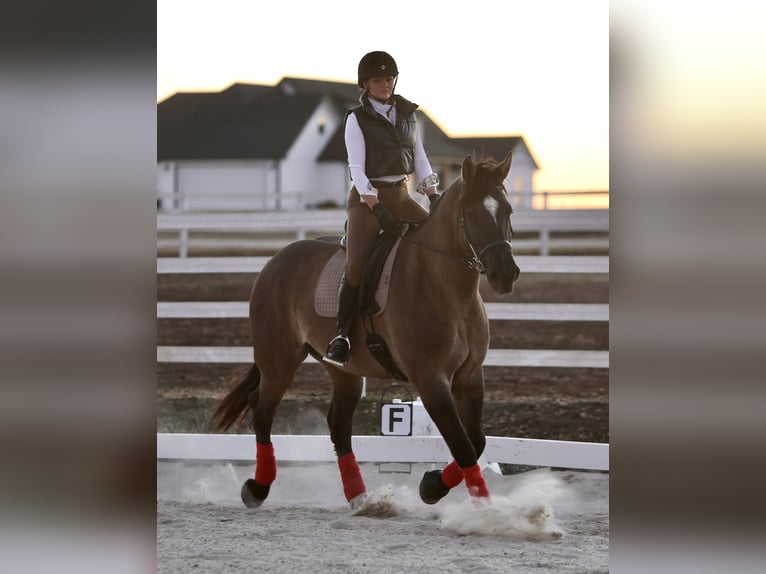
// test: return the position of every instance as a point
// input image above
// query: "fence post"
(183, 242)
(544, 240)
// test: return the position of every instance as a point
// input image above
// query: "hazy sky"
(489, 67)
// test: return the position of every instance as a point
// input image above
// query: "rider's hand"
(386, 219)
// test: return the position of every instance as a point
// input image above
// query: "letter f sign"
(396, 419)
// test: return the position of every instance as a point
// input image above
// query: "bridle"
(475, 263)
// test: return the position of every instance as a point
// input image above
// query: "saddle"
(373, 293)
(375, 288)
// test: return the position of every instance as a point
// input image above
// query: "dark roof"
(247, 92)
(255, 121)
(437, 143)
(492, 147)
(349, 93)
(240, 122)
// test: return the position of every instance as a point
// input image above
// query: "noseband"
(475, 262)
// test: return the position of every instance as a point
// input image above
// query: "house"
(258, 147)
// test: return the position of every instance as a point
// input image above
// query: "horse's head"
(485, 213)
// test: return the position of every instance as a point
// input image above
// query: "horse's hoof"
(253, 494)
(432, 489)
(358, 501)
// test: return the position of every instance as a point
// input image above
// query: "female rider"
(383, 148)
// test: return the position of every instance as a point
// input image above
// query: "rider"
(383, 148)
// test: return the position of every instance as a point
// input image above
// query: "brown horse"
(434, 324)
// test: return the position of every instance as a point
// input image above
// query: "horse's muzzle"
(502, 271)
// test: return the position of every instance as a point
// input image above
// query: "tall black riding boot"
(339, 348)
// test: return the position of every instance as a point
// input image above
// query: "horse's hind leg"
(264, 402)
(347, 390)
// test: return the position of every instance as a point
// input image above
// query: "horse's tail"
(233, 407)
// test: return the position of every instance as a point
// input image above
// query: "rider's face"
(381, 88)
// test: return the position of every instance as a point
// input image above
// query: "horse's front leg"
(465, 442)
(468, 393)
(347, 390)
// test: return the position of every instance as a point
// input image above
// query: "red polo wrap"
(452, 475)
(474, 480)
(265, 464)
(353, 484)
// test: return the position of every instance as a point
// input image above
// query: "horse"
(434, 323)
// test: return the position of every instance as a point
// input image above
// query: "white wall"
(301, 172)
(166, 184)
(520, 178)
(333, 182)
(225, 184)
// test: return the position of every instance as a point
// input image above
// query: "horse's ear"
(505, 167)
(469, 169)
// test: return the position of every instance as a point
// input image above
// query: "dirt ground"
(544, 403)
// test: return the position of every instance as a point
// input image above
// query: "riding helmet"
(376, 65)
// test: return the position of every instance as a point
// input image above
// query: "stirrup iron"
(332, 361)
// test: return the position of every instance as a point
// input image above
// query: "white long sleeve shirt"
(357, 152)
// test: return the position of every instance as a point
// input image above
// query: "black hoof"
(432, 489)
(253, 494)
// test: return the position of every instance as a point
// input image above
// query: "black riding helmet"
(376, 65)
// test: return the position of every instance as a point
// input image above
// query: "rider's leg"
(339, 348)
(362, 229)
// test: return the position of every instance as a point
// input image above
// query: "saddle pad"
(326, 290)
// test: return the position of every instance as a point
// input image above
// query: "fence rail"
(494, 358)
(495, 311)
(184, 201)
(527, 264)
(305, 224)
(415, 449)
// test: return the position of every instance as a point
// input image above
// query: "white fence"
(494, 358)
(405, 449)
(216, 200)
(496, 311)
(533, 452)
(527, 264)
(423, 445)
(303, 224)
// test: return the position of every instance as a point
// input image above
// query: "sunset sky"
(490, 67)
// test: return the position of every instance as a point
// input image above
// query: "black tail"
(233, 407)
